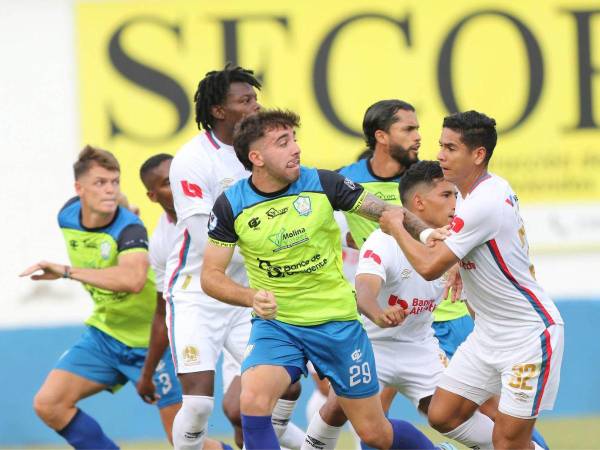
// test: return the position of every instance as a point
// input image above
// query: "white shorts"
(200, 327)
(230, 369)
(526, 376)
(414, 369)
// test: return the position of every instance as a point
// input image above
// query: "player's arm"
(367, 287)
(429, 261)
(129, 275)
(159, 340)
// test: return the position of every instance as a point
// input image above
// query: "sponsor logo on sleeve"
(348, 182)
(212, 221)
(457, 224)
(254, 222)
(374, 256)
(191, 189)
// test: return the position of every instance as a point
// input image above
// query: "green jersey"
(384, 188)
(291, 243)
(447, 310)
(125, 316)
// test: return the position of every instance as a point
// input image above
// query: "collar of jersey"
(377, 177)
(267, 194)
(99, 228)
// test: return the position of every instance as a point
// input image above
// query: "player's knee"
(439, 420)
(333, 414)
(198, 406)
(371, 436)
(46, 408)
(292, 392)
(231, 408)
(255, 403)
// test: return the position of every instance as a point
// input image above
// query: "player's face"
(241, 101)
(456, 159)
(404, 138)
(99, 189)
(159, 187)
(280, 154)
(439, 203)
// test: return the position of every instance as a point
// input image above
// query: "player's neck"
(93, 219)
(467, 185)
(223, 133)
(265, 183)
(384, 166)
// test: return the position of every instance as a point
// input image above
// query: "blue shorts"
(101, 358)
(340, 351)
(452, 333)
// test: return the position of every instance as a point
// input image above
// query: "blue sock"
(226, 447)
(259, 433)
(83, 432)
(407, 436)
(539, 439)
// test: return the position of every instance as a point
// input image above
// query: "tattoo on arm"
(413, 224)
(371, 207)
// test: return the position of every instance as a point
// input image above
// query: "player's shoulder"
(357, 171)
(68, 216)
(123, 220)
(380, 242)
(196, 149)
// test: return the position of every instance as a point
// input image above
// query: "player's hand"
(350, 241)
(438, 234)
(147, 390)
(50, 271)
(454, 282)
(264, 304)
(391, 219)
(390, 317)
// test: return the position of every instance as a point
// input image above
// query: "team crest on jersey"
(212, 221)
(302, 205)
(105, 250)
(356, 355)
(190, 354)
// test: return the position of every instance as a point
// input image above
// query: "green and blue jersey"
(125, 316)
(291, 243)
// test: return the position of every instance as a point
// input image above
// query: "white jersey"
(380, 255)
(488, 236)
(159, 249)
(201, 170)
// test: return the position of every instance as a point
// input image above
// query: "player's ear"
(78, 187)
(218, 112)
(479, 155)
(418, 203)
(152, 196)
(256, 158)
(381, 137)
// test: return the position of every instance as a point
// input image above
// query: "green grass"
(561, 434)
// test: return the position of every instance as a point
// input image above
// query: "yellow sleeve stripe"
(359, 202)
(221, 243)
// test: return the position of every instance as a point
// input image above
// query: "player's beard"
(402, 156)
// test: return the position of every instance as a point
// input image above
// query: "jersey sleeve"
(192, 187)
(343, 193)
(221, 223)
(376, 256)
(158, 254)
(475, 223)
(133, 237)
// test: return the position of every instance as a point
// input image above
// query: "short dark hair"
(212, 90)
(477, 130)
(427, 172)
(93, 155)
(152, 163)
(254, 127)
(380, 116)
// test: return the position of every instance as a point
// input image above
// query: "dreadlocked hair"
(212, 90)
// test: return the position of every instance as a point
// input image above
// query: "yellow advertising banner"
(533, 66)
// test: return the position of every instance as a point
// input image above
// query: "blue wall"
(28, 354)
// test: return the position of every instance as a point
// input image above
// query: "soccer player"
(201, 327)
(107, 247)
(282, 220)
(391, 132)
(155, 176)
(408, 356)
(516, 347)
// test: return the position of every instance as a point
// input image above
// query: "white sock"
(320, 435)
(314, 404)
(293, 437)
(189, 426)
(281, 415)
(475, 432)
(536, 446)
